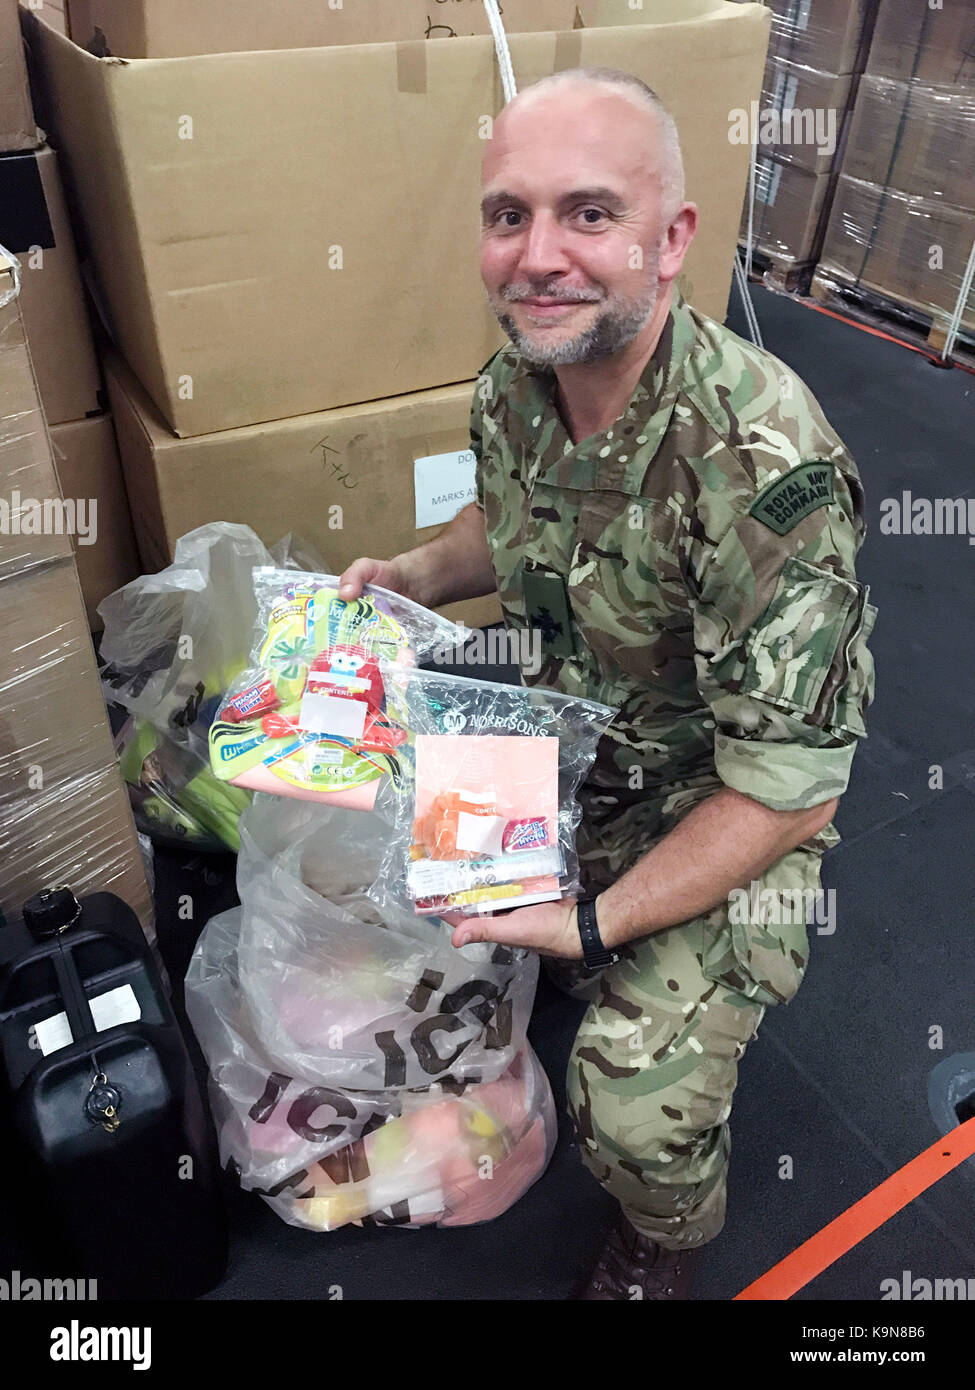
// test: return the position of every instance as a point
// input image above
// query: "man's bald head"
(664, 153)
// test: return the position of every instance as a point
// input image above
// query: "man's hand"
(388, 574)
(551, 929)
(455, 565)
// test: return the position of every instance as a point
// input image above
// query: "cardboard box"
(88, 468)
(913, 250)
(828, 35)
(345, 480)
(791, 206)
(920, 140)
(270, 267)
(34, 225)
(32, 530)
(64, 810)
(808, 110)
(917, 42)
(18, 130)
(180, 28)
(53, 11)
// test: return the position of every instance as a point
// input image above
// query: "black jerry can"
(116, 1170)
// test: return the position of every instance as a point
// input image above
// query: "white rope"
(751, 318)
(743, 276)
(963, 293)
(502, 50)
(752, 179)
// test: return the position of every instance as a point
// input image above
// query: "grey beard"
(612, 331)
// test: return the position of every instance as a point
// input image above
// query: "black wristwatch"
(595, 954)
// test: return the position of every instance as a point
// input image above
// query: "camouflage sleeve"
(781, 626)
(485, 386)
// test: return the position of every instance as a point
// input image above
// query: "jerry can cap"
(51, 911)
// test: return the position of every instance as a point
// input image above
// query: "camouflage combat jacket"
(692, 565)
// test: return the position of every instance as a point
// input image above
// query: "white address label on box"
(443, 485)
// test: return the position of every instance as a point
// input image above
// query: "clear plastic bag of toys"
(340, 989)
(361, 1068)
(308, 718)
(172, 644)
(484, 810)
(454, 1155)
(175, 798)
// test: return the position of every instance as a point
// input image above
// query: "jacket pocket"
(758, 943)
(807, 653)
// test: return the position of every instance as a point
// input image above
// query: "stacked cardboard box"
(903, 223)
(181, 28)
(35, 227)
(64, 812)
(817, 50)
(301, 283)
(18, 129)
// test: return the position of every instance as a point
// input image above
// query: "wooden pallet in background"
(905, 319)
(781, 273)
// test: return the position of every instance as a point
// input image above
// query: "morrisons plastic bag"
(485, 808)
(361, 1067)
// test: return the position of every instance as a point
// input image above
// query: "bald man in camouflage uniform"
(707, 545)
(689, 561)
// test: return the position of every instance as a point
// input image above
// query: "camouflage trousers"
(655, 1061)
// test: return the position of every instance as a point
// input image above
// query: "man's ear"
(676, 241)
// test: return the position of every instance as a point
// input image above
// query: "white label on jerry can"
(114, 1006)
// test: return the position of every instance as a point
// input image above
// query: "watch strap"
(595, 954)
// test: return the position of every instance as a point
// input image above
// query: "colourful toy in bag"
(310, 717)
(486, 812)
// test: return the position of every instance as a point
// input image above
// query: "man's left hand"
(551, 929)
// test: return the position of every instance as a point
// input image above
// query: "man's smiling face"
(572, 222)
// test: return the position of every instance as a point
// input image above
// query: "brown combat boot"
(631, 1261)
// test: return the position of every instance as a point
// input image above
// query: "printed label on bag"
(332, 714)
(480, 834)
(432, 878)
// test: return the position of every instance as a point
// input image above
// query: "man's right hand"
(455, 565)
(388, 574)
